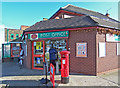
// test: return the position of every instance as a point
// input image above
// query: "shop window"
(17, 36)
(12, 36)
(59, 45)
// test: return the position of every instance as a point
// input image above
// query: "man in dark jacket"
(53, 54)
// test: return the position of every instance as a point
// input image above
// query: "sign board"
(118, 48)
(81, 49)
(112, 38)
(52, 74)
(48, 35)
(102, 49)
(33, 36)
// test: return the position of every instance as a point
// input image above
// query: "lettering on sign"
(60, 34)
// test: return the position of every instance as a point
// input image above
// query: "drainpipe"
(7, 35)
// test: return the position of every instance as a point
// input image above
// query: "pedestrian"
(53, 55)
(21, 58)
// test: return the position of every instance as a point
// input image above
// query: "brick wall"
(79, 64)
(28, 58)
(12, 31)
(110, 61)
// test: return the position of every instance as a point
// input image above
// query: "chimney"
(107, 14)
(23, 27)
(57, 18)
(44, 19)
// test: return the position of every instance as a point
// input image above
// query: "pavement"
(12, 75)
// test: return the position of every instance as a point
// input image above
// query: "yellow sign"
(38, 45)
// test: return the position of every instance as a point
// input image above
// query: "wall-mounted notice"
(81, 49)
(112, 38)
(118, 48)
(102, 49)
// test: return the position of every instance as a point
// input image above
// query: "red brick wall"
(79, 64)
(110, 61)
(28, 58)
(12, 31)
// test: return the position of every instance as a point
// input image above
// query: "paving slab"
(13, 76)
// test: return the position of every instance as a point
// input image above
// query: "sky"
(15, 14)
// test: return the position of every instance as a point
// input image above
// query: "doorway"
(38, 54)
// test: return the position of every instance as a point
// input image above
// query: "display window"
(59, 45)
(40, 51)
(15, 49)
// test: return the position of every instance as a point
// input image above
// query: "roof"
(73, 22)
(17, 40)
(75, 9)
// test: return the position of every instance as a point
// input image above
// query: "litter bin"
(64, 66)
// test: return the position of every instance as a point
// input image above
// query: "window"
(12, 36)
(17, 36)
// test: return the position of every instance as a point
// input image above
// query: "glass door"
(38, 53)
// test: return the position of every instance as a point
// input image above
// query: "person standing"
(21, 58)
(53, 55)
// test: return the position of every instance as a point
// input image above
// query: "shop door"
(38, 53)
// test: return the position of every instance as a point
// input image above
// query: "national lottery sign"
(52, 74)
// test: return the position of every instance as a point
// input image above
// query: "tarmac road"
(13, 76)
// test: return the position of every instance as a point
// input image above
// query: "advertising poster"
(81, 49)
(112, 38)
(38, 45)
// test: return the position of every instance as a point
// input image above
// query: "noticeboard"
(52, 74)
(81, 49)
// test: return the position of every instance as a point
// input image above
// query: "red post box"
(65, 66)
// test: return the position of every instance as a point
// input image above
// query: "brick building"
(91, 37)
(12, 46)
(12, 34)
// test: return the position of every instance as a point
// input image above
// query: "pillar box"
(64, 66)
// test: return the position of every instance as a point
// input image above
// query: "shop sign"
(81, 49)
(33, 36)
(46, 35)
(52, 74)
(112, 38)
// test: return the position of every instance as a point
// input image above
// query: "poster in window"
(81, 49)
(38, 45)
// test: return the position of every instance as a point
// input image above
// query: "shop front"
(42, 42)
